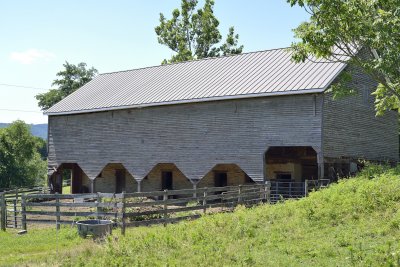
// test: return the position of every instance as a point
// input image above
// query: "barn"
(230, 120)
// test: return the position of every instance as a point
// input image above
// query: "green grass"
(38, 246)
(66, 189)
(353, 223)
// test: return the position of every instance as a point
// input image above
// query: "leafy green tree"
(41, 145)
(20, 161)
(369, 26)
(194, 34)
(71, 78)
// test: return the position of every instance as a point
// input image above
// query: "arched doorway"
(291, 163)
(69, 174)
(287, 168)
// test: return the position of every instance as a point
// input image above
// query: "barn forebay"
(213, 122)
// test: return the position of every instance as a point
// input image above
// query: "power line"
(20, 110)
(22, 86)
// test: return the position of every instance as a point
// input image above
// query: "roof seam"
(194, 60)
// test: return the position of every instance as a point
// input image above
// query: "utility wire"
(22, 86)
(19, 110)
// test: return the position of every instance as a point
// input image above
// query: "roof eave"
(232, 97)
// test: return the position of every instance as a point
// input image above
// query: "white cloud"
(31, 55)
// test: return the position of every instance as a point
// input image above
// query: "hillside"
(353, 223)
(39, 130)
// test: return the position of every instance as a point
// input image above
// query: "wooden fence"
(10, 201)
(131, 209)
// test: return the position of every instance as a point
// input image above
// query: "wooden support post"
(123, 223)
(195, 190)
(91, 185)
(165, 198)
(98, 208)
(320, 162)
(58, 217)
(23, 211)
(240, 195)
(15, 213)
(3, 214)
(205, 200)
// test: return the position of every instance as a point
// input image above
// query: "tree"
(194, 34)
(20, 161)
(71, 78)
(369, 26)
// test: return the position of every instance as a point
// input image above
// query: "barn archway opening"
(165, 176)
(115, 178)
(291, 163)
(69, 179)
(222, 175)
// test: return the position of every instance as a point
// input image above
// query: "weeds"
(355, 222)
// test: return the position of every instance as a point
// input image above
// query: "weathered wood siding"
(352, 130)
(195, 137)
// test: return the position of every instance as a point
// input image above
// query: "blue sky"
(37, 37)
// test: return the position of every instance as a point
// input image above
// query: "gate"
(284, 189)
(13, 213)
(10, 207)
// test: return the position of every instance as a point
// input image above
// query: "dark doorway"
(56, 183)
(120, 181)
(296, 163)
(220, 179)
(284, 176)
(76, 183)
(166, 180)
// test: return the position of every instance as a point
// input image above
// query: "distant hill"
(39, 130)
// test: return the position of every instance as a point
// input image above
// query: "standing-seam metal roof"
(254, 74)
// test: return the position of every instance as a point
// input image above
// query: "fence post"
(205, 200)
(3, 212)
(306, 188)
(277, 188)
(123, 224)
(98, 209)
(23, 211)
(115, 207)
(57, 211)
(165, 198)
(240, 194)
(267, 188)
(262, 192)
(15, 212)
(16, 194)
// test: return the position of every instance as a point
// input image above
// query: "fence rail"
(22, 208)
(126, 209)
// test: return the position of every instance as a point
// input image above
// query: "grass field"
(38, 246)
(353, 223)
(66, 189)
